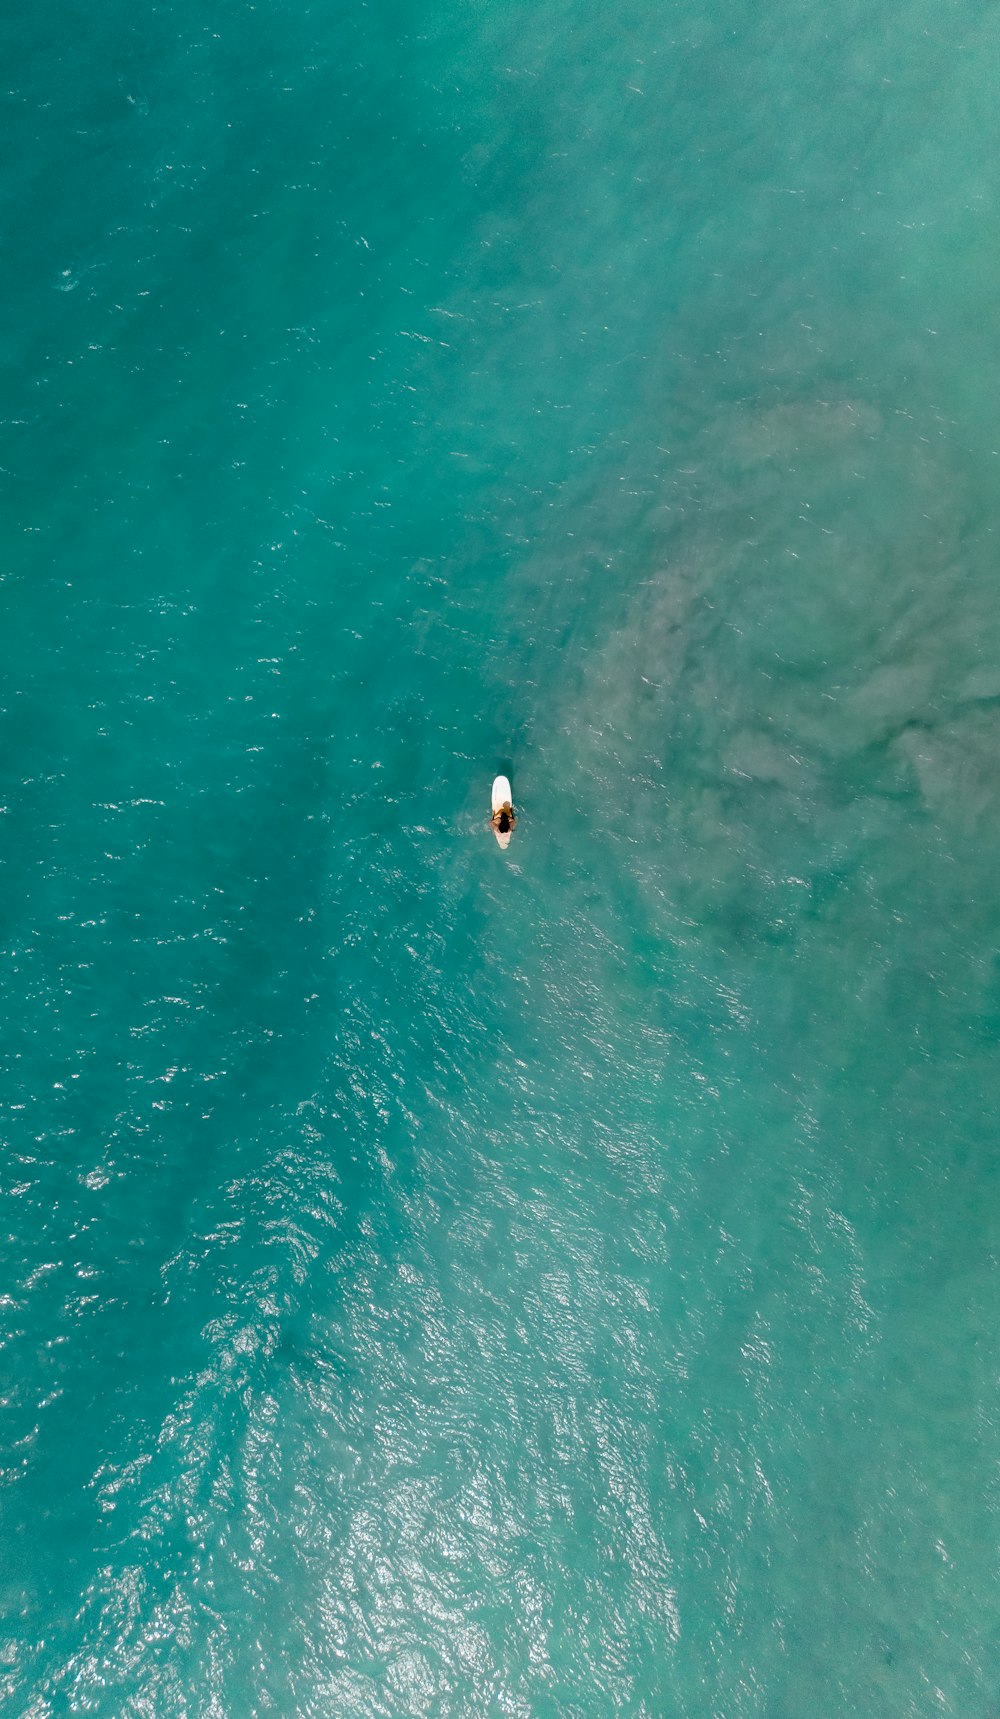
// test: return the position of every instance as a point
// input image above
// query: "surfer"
(502, 803)
(503, 819)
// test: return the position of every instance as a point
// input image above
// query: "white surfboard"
(502, 797)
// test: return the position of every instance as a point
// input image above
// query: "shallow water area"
(446, 1281)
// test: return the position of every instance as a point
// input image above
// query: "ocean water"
(562, 1283)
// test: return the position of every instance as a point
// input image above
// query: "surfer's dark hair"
(504, 821)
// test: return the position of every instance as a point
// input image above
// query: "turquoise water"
(437, 1282)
